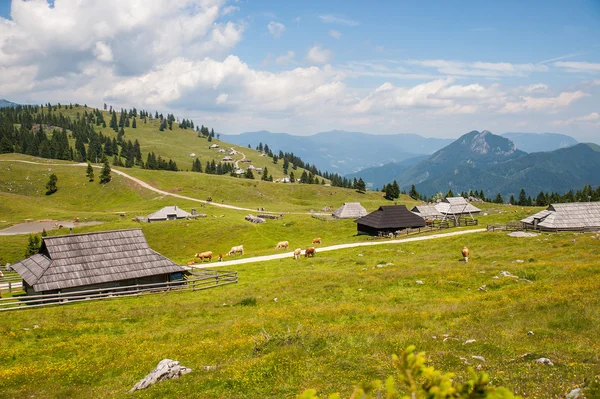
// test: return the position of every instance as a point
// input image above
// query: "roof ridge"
(90, 233)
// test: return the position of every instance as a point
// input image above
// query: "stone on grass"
(544, 360)
(529, 332)
(469, 341)
(480, 358)
(166, 369)
(419, 282)
(576, 393)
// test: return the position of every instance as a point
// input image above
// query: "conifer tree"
(360, 186)
(105, 176)
(90, 172)
(51, 185)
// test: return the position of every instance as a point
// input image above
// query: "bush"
(415, 380)
(249, 301)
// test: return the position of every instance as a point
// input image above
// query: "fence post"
(10, 286)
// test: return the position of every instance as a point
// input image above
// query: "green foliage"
(248, 301)
(360, 186)
(51, 187)
(90, 172)
(415, 380)
(33, 245)
(105, 175)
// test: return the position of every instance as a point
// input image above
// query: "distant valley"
(344, 152)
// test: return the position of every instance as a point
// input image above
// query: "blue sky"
(435, 68)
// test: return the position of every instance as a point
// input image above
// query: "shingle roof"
(85, 259)
(426, 211)
(350, 210)
(391, 217)
(569, 216)
(456, 206)
(163, 213)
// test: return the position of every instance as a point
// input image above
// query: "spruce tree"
(90, 172)
(51, 185)
(360, 186)
(33, 246)
(105, 176)
(499, 199)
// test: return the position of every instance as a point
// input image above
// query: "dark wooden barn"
(94, 260)
(388, 219)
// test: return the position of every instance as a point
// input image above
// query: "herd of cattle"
(310, 251)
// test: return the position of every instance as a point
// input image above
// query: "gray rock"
(166, 369)
(576, 393)
(544, 360)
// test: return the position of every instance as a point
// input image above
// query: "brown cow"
(203, 255)
(317, 240)
(465, 254)
(309, 252)
(282, 244)
(220, 257)
(297, 253)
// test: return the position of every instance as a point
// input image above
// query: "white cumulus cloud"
(276, 29)
(335, 34)
(318, 55)
(284, 59)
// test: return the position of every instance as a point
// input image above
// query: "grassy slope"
(22, 196)
(335, 323)
(178, 143)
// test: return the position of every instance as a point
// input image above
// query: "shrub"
(415, 380)
(249, 301)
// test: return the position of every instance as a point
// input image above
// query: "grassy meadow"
(330, 323)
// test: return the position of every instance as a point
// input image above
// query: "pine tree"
(512, 200)
(133, 124)
(292, 177)
(33, 246)
(522, 198)
(51, 185)
(90, 172)
(105, 176)
(360, 186)
(249, 174)
(499, 199)
(450, 193)
(265, 174)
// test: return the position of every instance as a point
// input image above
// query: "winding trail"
(143, 184)
(337, 247)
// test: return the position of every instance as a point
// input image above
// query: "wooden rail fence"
(200, 281)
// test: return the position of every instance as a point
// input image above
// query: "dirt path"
(240, 160)
(284, 255)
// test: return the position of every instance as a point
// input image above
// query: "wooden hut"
(456, 207)
(350, 210)
(94, 260)
(168, 213)
(427, 212)
(388, 219)
(574, 216)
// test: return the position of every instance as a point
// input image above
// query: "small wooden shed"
(168, 213)
(350, 210)
(388, 219)
(573, 216)
(106, 259)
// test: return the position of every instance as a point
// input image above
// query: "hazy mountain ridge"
(6, 103)
(493, 163)
(344, 152)
(537, 142)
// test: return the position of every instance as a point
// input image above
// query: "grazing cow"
(75, 220)
(203, 255)
(317, 240)
(234, 250)
(282, 244)
(220, 257)
(465, 254)
(297, 253)
(309, 252)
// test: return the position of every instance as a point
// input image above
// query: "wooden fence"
(200, 281)
(510, 226)
(10, 283)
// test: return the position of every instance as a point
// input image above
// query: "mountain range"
(6, 103)
(482, 160)
(344, 152)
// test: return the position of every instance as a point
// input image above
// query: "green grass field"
(337, 318)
